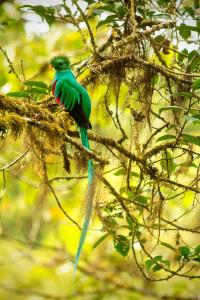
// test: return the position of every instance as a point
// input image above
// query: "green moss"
(12, 123)
(16, 125)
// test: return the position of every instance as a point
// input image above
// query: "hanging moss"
(3, 125)
(16, 125)
(12, 123)
(66, 162)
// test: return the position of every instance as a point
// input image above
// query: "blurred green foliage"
(147, 225)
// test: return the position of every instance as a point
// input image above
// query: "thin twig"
(12, 69)
(92, 40)
(61, 208)
(6, 167)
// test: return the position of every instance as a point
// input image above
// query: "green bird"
(69, 93)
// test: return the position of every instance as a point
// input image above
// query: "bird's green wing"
(67, 93)
(70, 91)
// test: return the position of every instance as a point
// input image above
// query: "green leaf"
(39, 84)
(192, 55)
(197, 116)
(168, 246)
(173, 126)
(141, 199)
(121, 10)
(157, 268)
(138, 234)
(193, 165)
(158, 258)
(46, 13)
(192, 139)
(108, 20)
(162, 2)
(2, 25)
(190, 11)
(166, 262)
(100, 240)
(183, 54)
(193, 118)
(165, 137)
(122, 245)
(184, 94)
(185, 30)
(194, 61)
(197, 250)
(171, 107)
(134, 174)
(196, 85)
(21, 94)
(184, 251)
(130, 194)
(37, 91)
(130, 222)
(188, 27)
(120, 172)
(123, 189)
(149, 263)
(109, 8)
(198, 23)
(159, 39)
(197, 259)
(185, 33)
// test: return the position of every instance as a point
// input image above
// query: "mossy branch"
(19, 114)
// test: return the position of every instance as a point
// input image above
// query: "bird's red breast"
(53, 91)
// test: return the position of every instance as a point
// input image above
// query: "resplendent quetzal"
(69, 93)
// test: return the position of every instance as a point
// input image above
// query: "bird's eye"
(60, 64)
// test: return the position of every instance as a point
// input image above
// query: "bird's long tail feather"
(90, 198)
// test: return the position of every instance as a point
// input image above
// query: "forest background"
(140, 63)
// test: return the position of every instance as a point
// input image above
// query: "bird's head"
(60, 63)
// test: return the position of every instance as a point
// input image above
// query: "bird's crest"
(60, 62)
